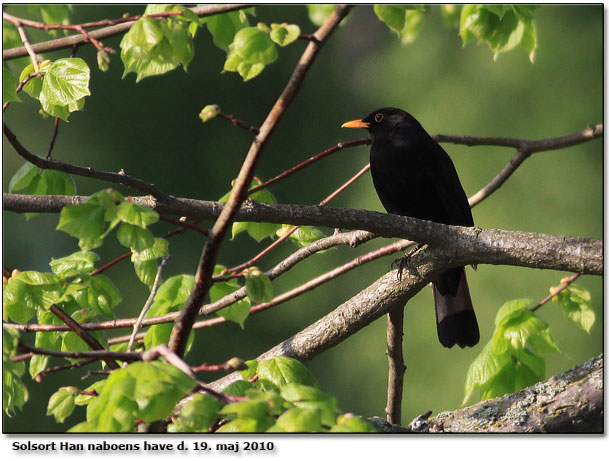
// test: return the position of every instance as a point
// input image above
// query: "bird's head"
(383, 121)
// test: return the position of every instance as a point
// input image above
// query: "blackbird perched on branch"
(413, 176)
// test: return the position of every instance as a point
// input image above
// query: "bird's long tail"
(455, 317)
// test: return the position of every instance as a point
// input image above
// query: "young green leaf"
(68, 266)
(61, 404)
(284, 34)
(197, 415)
(9, 84)
(134, 237)
(137, 215)
(298, 420)
(348, 422)
(284, 370)
(85, 222)
(576, 305)
(223, 27)
(236, 312)
(23, 177)
(209, 112)
(254, 46)
(258, 285)
(51, 182)
(64, 87)
(319, 13)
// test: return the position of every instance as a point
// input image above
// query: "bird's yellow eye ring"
(378, 117)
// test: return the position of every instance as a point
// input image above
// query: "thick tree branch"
(383, 296)
(462, 245)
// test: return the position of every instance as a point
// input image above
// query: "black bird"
(413, 176)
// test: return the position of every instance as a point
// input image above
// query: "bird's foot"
(402, 263)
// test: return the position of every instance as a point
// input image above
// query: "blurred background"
(151, 130)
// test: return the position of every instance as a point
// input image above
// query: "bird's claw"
(403, 262)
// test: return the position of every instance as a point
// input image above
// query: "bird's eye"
(378, 117)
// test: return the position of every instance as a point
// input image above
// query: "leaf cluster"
(512, 360)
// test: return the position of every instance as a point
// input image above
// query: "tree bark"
(569, 402)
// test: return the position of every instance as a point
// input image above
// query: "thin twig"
(295, 228)
(117, 178)
(44, 373)
(153, 290)
(567, 281)
(315, 158)
(53, 138)
(97, 355)
(240, 123)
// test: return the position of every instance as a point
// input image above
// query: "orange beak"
(355, 124)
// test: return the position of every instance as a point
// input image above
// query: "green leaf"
(209, 112)
(34, 86)
(9, 85)
(175, 290)
(197, 415)
(23, 177)
(154, 47)
(158, 388)
(284, 370)
(24, 294)
(576, 305)
(238, 388)
(254, 46)
(483, 369)
(250, 372)
(255, 409)
(392, 15)
(249, 70)
(518, 327)
(247, 425)
(223, 27)
(303, 236)
(319, 13)
(61, 404)
(134, 237)
(348, 422)
(37, 364)
(522, 370)
(146, 272)
(99, 294)
(160, 249)
(64, 87)
(512, 309)
(284, 34)
(36, 278)
(503, 27)
(258, 285)
(85, 222)
(51, 182)
(236, 312)
(298, 420)
(68, 266)
(137, 215)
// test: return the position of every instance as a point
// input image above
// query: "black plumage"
(414, 176)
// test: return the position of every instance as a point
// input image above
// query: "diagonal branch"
(203, 277)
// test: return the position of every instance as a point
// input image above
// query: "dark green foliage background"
(151, 130)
